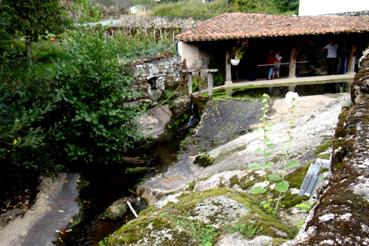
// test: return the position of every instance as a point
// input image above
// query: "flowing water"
(101, 186)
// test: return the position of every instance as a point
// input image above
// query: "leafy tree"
(287, 5)
(83, 10)
(267, 6)
(34, 18)
(93, 123)
(73, 104)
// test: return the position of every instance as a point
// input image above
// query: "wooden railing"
(210, 80)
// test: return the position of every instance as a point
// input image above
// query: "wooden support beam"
(351, 59)
(228, 75)
(286, 82)
(210, 84)
(292, 70)
(189, 81)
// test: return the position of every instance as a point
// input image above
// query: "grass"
(246, 230)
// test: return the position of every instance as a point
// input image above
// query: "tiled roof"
(242, 25)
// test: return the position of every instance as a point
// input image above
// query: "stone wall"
(356, 13)
(341, 216)
(155, 75)
(151, 22)
(157, 27)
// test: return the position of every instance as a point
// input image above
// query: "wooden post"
(292, 70)
(351, 60)
(210, 84)
(228, 75)
(189, 80)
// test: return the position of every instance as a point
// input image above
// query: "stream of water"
(101, 186)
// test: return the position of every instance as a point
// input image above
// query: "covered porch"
(299, 40)
(301, 57)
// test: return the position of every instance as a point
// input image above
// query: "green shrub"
(96, 125)
(70, 106)
(84, 11)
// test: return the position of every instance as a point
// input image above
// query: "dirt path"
(54, 207)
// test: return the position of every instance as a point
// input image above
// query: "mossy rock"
(116, 210)
(290, 200)
(204, 160)
(324, 147)
(173, 215)
(234, 181)
(296, 177)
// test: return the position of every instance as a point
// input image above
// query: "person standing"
(331, 48)
(277, 64)
(270, 61)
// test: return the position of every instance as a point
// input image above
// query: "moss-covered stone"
(234, 181)
(174, 216)
(137, 170)
(296, 177)
(246, 182)
(323, 147)
(325, 156)
(191, 186)
(204, 160)
(290, 200)
(278, 241)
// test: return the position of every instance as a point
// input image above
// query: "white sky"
(319, 7)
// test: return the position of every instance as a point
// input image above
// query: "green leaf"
(256, 166)
(268, 165)
(282, 186)
(274, 177)
(293, 164)
(271, 145)
(268, 154)
(258, 190)
(264, 205)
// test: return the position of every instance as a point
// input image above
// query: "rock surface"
(153, 122)
(340, 218)
(198, 218)
(54, 207)
(222, 121)
(116, 210)
(316, 119)
(195, 205)
(237, 239)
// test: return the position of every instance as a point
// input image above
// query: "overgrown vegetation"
(28, 21)
(177, 219)
(198, 10)
(68, 105)
(83, 10)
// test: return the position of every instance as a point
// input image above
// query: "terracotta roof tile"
(242, 25)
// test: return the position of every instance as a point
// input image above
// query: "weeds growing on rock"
(246, 230)
(274, 180)
(203, 233)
